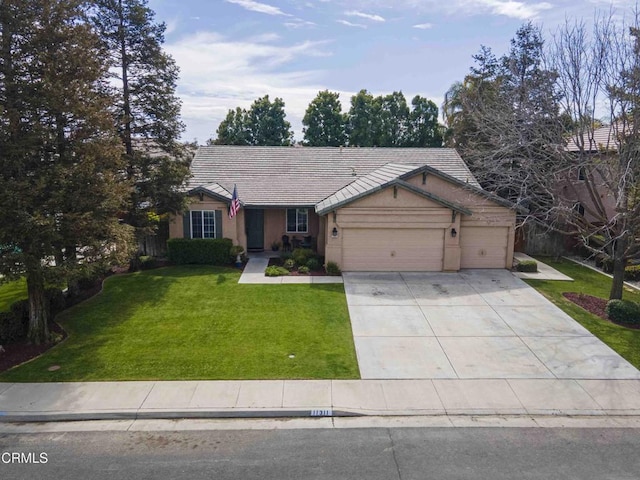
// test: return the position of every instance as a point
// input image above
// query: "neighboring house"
(587, 186)
(367, 209)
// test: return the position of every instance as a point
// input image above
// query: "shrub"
(623, 311)
(632, 273)
(286, 255)
(313, 264)
(200, 251)
(275, 271)
(304, 270)
(148, 262)
(302, 255)
(289, 264)
(529, 266)
(57, 300)
(332, 268)
(13, 324)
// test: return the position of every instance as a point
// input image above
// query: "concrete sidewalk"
(41, 402)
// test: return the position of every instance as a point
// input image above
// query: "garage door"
(483, 247)
(386, 249)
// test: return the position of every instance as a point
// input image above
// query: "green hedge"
(623, 311)
(632, 273)
(14, 323)
(200, 251)
(529, 266)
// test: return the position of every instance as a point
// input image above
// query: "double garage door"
(420, 249)
(387, 249)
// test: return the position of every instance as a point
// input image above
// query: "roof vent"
(353, 172)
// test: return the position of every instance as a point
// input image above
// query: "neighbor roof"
(604, 139)
(304, 176)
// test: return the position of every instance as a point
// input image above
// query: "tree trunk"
(38, 330)
(619, 264)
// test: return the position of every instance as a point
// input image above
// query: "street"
(372, 453)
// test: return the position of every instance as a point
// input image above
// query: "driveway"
(475, 324)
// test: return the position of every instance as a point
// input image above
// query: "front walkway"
(254, 273)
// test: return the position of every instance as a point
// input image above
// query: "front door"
(255, 229)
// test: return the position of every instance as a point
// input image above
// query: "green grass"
(623, 340)
(197, 323)
(11, 292)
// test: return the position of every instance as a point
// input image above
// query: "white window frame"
(298, 210)
(202, 224)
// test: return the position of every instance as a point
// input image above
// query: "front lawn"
(11, 292)
(196, 322)
(623, 340)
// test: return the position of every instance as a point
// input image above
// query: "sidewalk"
(41, 402)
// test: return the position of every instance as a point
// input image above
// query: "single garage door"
(387, 249)
(483, 247)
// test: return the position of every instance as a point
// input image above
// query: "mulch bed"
(278, 262)
(595, 305)
(17, 353)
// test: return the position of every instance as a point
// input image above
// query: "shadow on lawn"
(92, 324)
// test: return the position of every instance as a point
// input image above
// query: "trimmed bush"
(529, 266)
(304, 270)
(147, 262)
(199, 251)
(302, 255)
(313, 264)
(286, 255)
(623, 311)
(289, 264)
(333, 269)
(632, 273)
(275, 271)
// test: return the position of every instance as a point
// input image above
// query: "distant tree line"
(382, 121)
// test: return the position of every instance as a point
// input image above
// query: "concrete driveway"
(475, 324)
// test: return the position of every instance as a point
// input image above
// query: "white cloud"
(218, 74)
(349, 24)
(299, 23)
(258, 7)
(515, 9)
(423, 26)
(355, 13)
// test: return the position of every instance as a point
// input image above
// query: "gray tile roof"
(304, 176)
(604, 138)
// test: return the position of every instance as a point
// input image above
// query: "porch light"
(454, 233)
(334, 232)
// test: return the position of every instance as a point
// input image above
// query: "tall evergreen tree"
(394, 120)
(148, 111)
(233, 129)
(363, 124)
(324, 122)
(267, 124)
(60, 163)
(423, 129)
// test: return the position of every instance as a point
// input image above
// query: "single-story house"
(367, 209)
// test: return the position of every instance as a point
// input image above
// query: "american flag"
(235, 203)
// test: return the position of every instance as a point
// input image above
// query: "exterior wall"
(493, 223)
(229, 226)
(386, 210)
(275, 226)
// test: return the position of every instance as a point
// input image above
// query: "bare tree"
(597, 189)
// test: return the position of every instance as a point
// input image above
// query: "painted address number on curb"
(322, 413)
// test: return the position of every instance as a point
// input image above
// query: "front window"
(203, 224)
(297, 220)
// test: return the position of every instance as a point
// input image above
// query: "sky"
(231, 52)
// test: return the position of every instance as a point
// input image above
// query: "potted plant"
(275, 246)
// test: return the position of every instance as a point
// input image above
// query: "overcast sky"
(231, 52)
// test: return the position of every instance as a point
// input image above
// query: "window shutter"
(186, 224)
(218, 216)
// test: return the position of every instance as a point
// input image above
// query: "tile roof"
(604, 138)
(304, 176)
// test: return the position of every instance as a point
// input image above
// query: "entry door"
(255, 229)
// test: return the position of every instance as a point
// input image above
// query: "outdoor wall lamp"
(453, 232)
(334, 232)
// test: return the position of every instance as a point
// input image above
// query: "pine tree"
(148, 110)
(60, 164)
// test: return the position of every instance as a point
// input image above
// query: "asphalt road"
(374, 453)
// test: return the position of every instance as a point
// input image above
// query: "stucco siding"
(229, 229)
